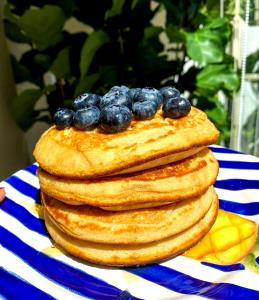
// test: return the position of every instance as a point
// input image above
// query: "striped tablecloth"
(31, 268)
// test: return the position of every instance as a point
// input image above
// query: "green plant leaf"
(220, 27)
(219, 76)
(68, 102)
(218, 23)
(151, 74)
(61, 65)
(250, 260)
(42, 60)
(251, 264)
(22, 107)
(204, 47)
(133, 4)
(151, 38)
(43, 26)
(21, 72)
(68, 6)
(152, 32)
(109, 74)
(14, 33)
(93, 42)
(175, 34)
(213, 8)
(174, 11)
(219, 116)
(25, 72)
(9, 15)
(86, 84)
(115, 10)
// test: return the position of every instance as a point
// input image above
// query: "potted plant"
(122, 46)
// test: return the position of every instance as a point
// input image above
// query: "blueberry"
(118, 97)
(149, 94)
(169, 92)
(123, 88)
(86, 100)
(176, 107)
(144, 110)
(87, 118)
(107, 99)
(133, 93)
(63, 118)
(115, 118)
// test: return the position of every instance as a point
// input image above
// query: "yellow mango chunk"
(229, 240)
(235, 253)
(219, 240)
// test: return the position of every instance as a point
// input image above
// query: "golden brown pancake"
(89, 154)
(169, 183)
(127, 227)
(129, 255)
(161, 161)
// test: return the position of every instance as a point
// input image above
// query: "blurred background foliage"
(122, 45)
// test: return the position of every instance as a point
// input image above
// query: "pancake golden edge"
(161, 161)
(173, 182)
(88, 154)
(127, 227)
(134, 255)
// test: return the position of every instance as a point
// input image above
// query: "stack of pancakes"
(133, 197)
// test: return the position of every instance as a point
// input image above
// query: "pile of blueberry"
(114, 111)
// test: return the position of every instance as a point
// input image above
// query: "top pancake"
(88, 154)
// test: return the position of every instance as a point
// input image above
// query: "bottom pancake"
(133, 255)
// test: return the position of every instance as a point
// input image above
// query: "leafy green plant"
(122, 47)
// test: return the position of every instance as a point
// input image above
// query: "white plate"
(31, 268)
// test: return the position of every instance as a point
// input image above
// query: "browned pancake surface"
(127, 227)
(76, 154)
(173, 182)
(129, 255)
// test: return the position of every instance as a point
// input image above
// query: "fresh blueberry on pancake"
(119, 88)
(87, 118)
(142, 102)
(144, 110)
(86, 100)
(117, 97)
(149, 94)
(176, 107)
(115, 118)
(133, 93)
(169, 92)
(63, 118)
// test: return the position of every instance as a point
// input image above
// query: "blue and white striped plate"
(31, 268)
